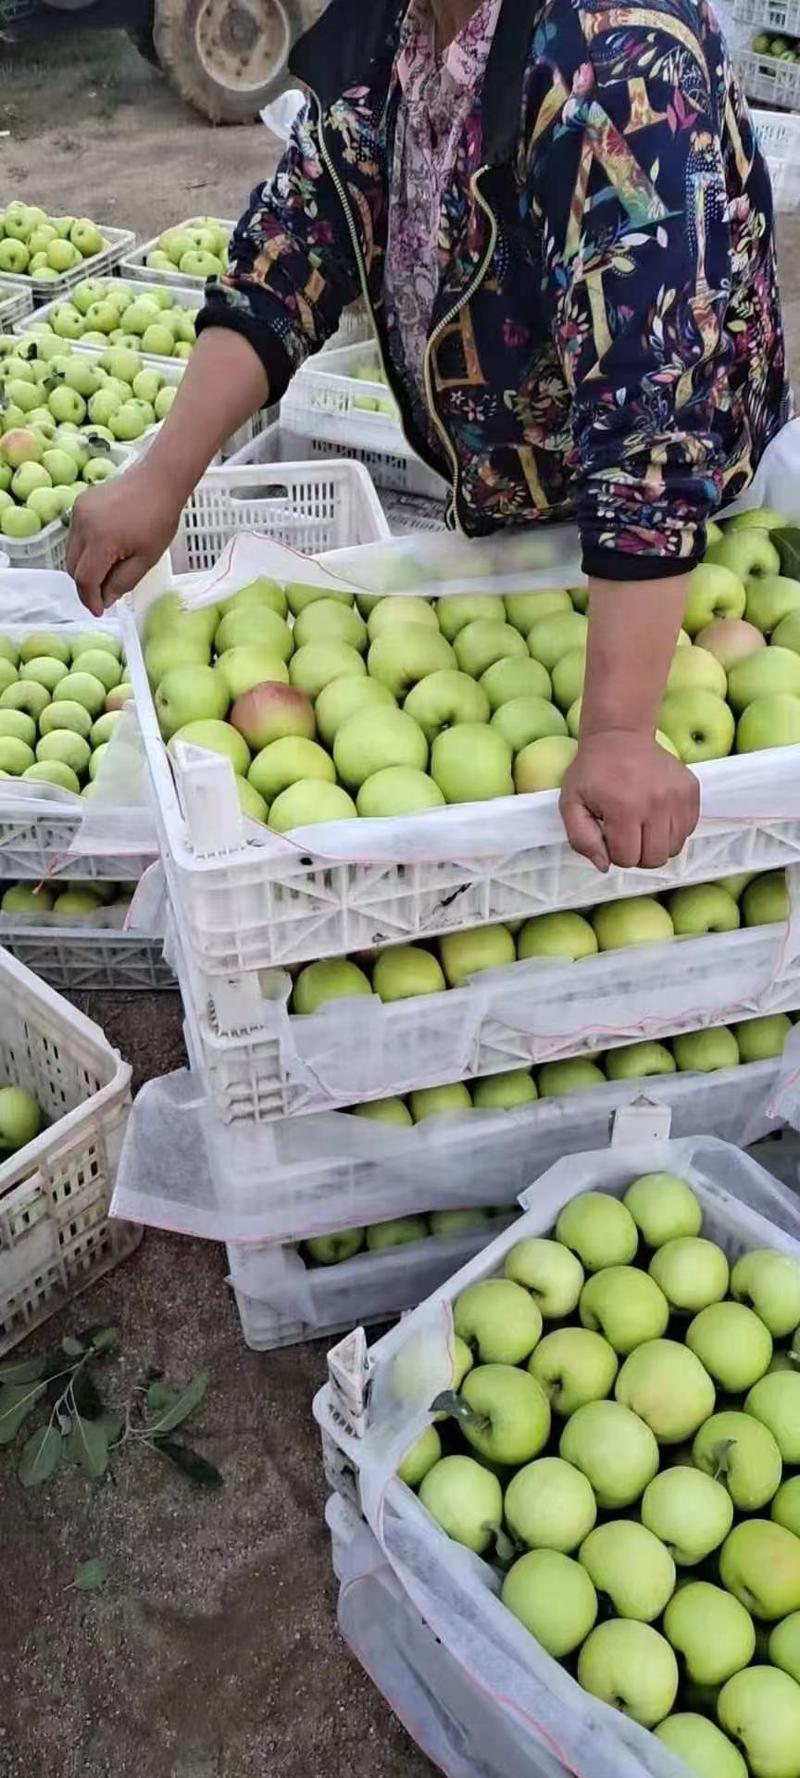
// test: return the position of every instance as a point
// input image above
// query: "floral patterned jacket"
(606, 342)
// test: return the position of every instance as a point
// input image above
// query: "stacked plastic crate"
(765, 41)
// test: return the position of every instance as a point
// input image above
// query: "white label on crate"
(643, 1121)
(348, 1374)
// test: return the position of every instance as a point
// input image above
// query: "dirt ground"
(213, 1653)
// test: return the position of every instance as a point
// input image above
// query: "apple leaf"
(16, 1402)
(456, 1408)
(721, 1455)
(87, 1445)
(40, 1457)
(787, 543)
(71, 1347)
(22, 1370)
(91, 1576)
(169, 1413)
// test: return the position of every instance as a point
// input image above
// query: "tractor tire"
(227, 58)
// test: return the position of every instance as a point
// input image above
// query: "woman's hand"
(627, 801)
(118, 531)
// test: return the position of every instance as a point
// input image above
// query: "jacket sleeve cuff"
(617, 564)
(263, 338)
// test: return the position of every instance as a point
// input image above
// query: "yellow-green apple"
(787, 633)
(19, 445)
(53, 771)
(524, 720)
(765, 900)
(694, 669)
(425, 1451)
(553, 1597)
(557, 935)
(698, 723)
(629, 1567)
(15, 756)
(515, 677)
(769, 722)
(599, 1229)
(505, 1092)
(769, 599)
(332, 978)
(250, 802)
(703, 907)
(287, 761)
(785, 1509)
(451, 1100)
(690, 1512)
(402, 1231)
(634, 920)
(741, 1453)
(372, 739)
(442, 699)
(102, 665)
(242, 669)
(709, 1627)
(625, 1306)
(764, 518)
(187, 693)
(256, 626)
(760, 1039)
(313, 667)
(299, 596)
(551, 637)
(760, 1564)
(397, 790)
(760, 1709)
(732, 1344)
(524, 609)
(18, 726)
(389, 612)
(464, 954)
(25, 695)
(454, 614)
(45, 671)
(703, 1052)
(550, 1505)
(21, 898)
(332, 1250)
(775, 1401)
(498, 1320)
(448, 1223)
(328, 617)
(509, 1418)
(66, 746)
(557, 1079)
(385, 1111)
(343, 697)
(406, 652)
(483, 642)
(269, 712)
(119, 697)
(471, 763)
(714, 591)
(636, 1061)
(168, 614)
(215, 737)
(769, 673)
(406, 971)
(667, 1386)
(770, 1283)
(547, 1269)
(260, 591)
(568, 676)
(691, 1271)
(542, 765)
(701, 1746)
(748, 554)
(575, 1367)
(20, 1118)
(730, 639)
(465, 1499)
(162, 653)
(784, 1645)
(631, 1667)
(664, 1208)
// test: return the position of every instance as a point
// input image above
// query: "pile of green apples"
(406, 971)
(66, 899)
(114, 395)
(44, 468)
(198, 248)
(378, 404)
(335, 706)
(35, 245)
(764, 45)
(105, 312)
(61, 697)
(623, 1442)
(333, 1250)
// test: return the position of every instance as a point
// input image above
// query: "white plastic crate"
(133, 266)
(262, 1062)
(82, 959)
(48, 549)
(14, 306)
(779, 18)
(320, 404)
(354, 328)
(769, 80)
(312, 507)
(55, 1237)
(376, 1403)
(120, 241)
(779, 135)
(183, 300)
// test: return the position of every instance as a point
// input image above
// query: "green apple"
(67, 747)
(514, 677)
(704, 1052)
(240, 669)
(631, 1667)
(8, 675)
(15, 756)
(760, 1565)
(77, 903)
(18, 726)
(270, 712)
(9, 652)
(505, 1092)
(343, 697)
(214, 737)
(102, 729)
(425, 1451)
(698, 723)
(664, 1208)
(465, 954)
(53, 771)
(405, 653)
(26, 695)
(20, 1118)
(385, 1111)
(729, 639)
(787, 633)
(388, 613)
(557, 935)
(543, 764)
(286, 762)
(45, 671)
(314, 666)
(599, 1229)
(555, 635)
(444, 698)
(523, 720)
(633, 920)
(550, 1505)
(763, 518)
(509, 1413)
(373, 739)
(568, 677)
(667, 1386)
(333, 1250)
(760, 1709)
(298, 596)
(19, 445)
(769, 673)
(79, 687)
(557, 1079)
(786, 1505)
(332, 978)
(770, 598)
(250, 803)
(401, 1232)
(784, 1645)
(498, 1320)
(328, 617)
(256, 626)
(471, 763)
(484, 641)
(549, 1272)
(455, 613)
(637, 1061)
(770, 1283)
(691, 1271)
(760, 1039)
(258, 592)
(309, 803)
(168, 615)
(690, 1512)
(553, 1597)
(465, 1499)
(702, 908)
(630, 1568)
(29, 478)
(765, 900)
(189, 693)
(732, 1344)
(397, 790)
(22, 899)
(119, 697)
(775, 1401)
(102, 665)
(768, 722)
(575, 1367)
(446, 1101)
(405, 972)
(701, 1746)
(448, 1223)
(613, 1447)
(696, 669)
(742, 1454)
(748, 554)
(716, 590)
(625, 1306)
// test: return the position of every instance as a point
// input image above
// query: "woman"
(563, 226)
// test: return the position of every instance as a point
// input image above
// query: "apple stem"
(722, 1458)
(458, 1409)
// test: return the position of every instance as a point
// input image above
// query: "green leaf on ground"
(22, 1370)
(72, 1347)
(40, 1457)
(184, 1402)
(91, 1576)
(87, 1445)
(191, 1463)
(16, 1402)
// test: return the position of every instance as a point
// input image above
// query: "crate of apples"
(103, 312)
(61, 698)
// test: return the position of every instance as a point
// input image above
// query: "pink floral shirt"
(436, 129)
